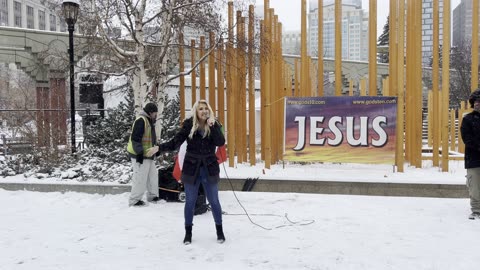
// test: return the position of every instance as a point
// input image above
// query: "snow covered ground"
(81, 231)
(311, 172)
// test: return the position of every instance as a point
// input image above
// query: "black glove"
(140, 158)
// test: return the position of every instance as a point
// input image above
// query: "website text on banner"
(341, 129)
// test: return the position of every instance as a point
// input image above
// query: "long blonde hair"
(196, 121)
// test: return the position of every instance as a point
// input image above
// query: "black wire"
(292, 223)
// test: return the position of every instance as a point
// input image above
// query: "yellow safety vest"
(146, 139)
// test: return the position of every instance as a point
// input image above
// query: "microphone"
(210, 123)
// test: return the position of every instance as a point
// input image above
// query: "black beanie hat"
(150, 108)
(475, 95)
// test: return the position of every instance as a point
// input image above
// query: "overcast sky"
(288, 12)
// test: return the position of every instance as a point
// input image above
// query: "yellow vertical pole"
(193, 82)
(409, 83)
(445, 82)
(385, 86)
(220, 83)
(461, 144)
(372, 49)
(277, 90)
(240, 89)
(320, 50)
(268, 66)
(202, 69)
(274, 86)
(418, 84)
(392, 51)
(435, 86)
(181, 63)
(311, 85)
(243, 89)
(297, 89)
(350, 88)
(230, 91)
(363, 87)
(338, 47)
(211, 75)
(281, 107)
(304, 62)
(281, 94)
(251, 85)
(453, 142)
(474, 83)
(263, 79)
(429, 118)
(399, 157)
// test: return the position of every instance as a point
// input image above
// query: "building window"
(41, 20)
(30, 17)
(63, 24)
(53, 23)
(3, 12)
(17, 14)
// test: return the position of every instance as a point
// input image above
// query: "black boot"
(220, 235)
(188, 235)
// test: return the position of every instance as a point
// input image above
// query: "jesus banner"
(340, 129)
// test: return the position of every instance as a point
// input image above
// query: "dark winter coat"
(470, 131)
(137, 134)
(200, 151)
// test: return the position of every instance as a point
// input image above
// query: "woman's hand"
(210, 121)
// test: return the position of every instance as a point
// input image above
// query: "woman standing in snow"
(203, 134)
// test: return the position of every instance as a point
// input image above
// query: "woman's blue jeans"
(211, 190)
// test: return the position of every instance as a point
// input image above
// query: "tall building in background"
(354, 30)
(31, 14)
(313, 4)
(291, 41)
(462, 23)
(427, 29)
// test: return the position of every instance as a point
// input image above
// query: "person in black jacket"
(203, 134)
(470, 131)
(141, 148)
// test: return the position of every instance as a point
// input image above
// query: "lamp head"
(70, 11)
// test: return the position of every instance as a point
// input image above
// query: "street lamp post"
(70, 11)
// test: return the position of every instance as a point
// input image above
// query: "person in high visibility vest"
(141, 149)
(200, 166)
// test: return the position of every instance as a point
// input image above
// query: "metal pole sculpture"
(203, 94)
(445, 82)
(372, 50)
(230, 93)
(211, 74)
(251, 86)
(320, 50)
(181, 62)
(474, 84)
(304, 63)
(220, 83)
(338, 47)
(193, 82)
(435, 86)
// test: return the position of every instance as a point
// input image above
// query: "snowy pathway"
(80, 231)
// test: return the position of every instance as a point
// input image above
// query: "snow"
(81, 231)
(428, 174)
(300, 231)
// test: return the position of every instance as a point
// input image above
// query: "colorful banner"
(341, 129)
